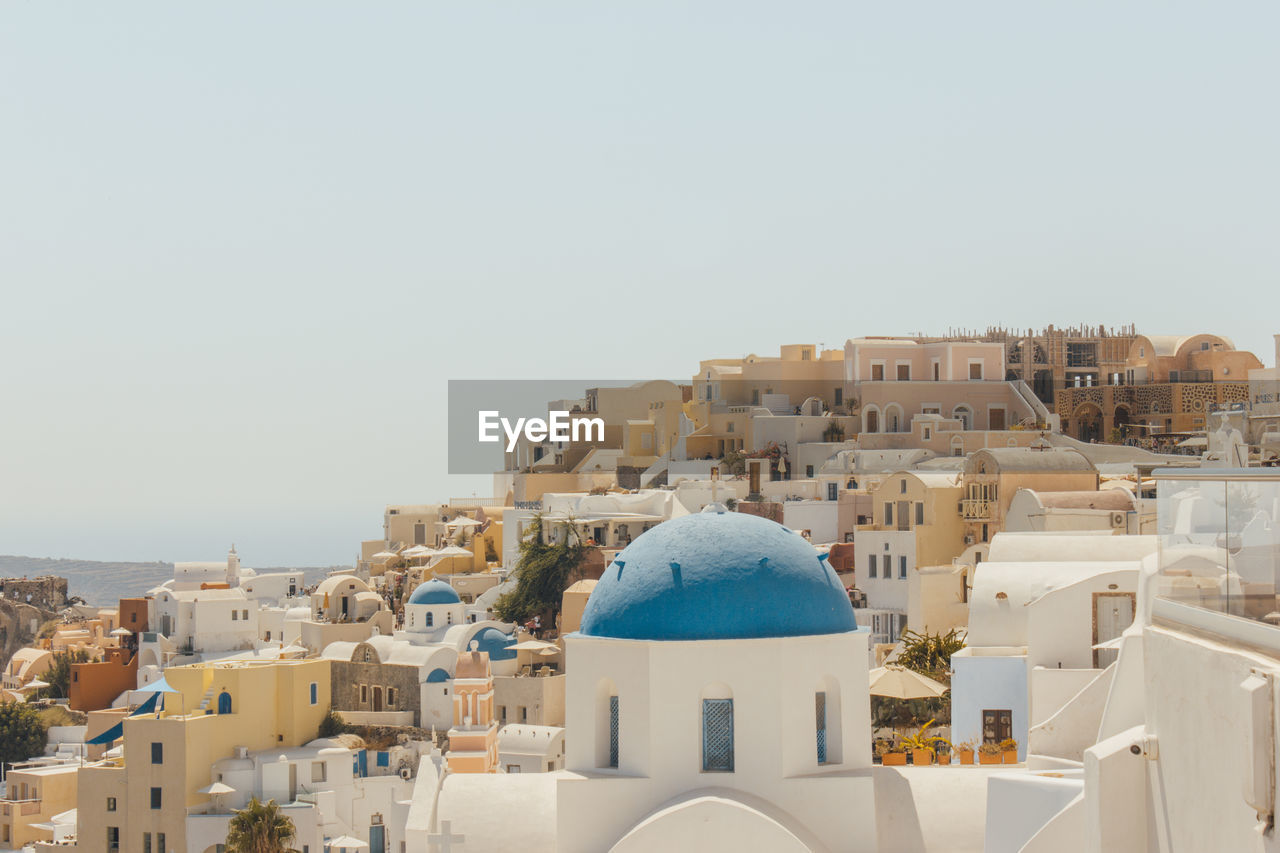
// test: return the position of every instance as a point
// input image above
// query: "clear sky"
(244, 245)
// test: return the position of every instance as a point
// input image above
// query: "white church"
(717, 700)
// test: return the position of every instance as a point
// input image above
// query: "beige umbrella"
(463, 521)
(453, 551)
(534, 646)
(216, 788)
(35, 684)
(899, 683)
(346, 842)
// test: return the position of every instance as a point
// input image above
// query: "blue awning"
(148, 706)
(160, 686)
(113, 733)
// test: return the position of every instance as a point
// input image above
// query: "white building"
(530, 749)
(717, 700)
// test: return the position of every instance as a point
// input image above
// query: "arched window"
(963, 414)
(826, 706)
(893, 418)
(224, 702)
(717, 730)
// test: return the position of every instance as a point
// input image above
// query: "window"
(937, 370)
(391, 696)
(985, 537)
(613, 731)
(717, 735)
(160, 842)
(431, 620)
(146, 842)
(235, 615)
(904, 372)
(833, 491)
(888, 513)
(885, 566)
(244, 614)
(928, 433)
(502, 714)
(919, 512)
(364, 693)
(315, 692)
(975, 370)
(513, 768)
(111, 804)
(839, 396)
(113, 839)
(902, 487)
(808, 472)
(871, 565)
(902, 567)
(155, 798)
(997, 725)
(319, 771)
(877, 372)
(820, 712)
(157, 753)
(524, 713)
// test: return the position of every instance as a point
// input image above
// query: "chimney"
(1277, 339)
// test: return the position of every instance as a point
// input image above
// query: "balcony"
(977, 510)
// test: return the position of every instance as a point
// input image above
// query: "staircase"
(204, 702)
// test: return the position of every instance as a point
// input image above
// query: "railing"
(976, 510)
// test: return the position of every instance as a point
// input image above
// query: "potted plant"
(1009, 750)
(964, 750)
(891, 755)
(922, 745)
(989, 753)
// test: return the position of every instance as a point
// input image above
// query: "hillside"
(104, 583)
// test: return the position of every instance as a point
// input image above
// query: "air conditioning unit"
(406, 772)
(968, 540)
(1117, 519)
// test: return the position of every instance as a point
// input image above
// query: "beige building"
(473, 739)
(139, 801)
(33, 795)
(992, 477)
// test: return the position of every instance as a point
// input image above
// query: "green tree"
(543, 572)
(930, 654)
(22, 734)
(58, 675)
(260, 828)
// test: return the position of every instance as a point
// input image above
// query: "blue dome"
(717, 576)
(496, 643)
(434, 592)
(437, 676)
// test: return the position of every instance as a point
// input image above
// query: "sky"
(244, 246)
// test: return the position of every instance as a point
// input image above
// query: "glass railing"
(1219, 533)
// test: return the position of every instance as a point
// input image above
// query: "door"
(377, 699)
(420, 534)
(904, 515)
(377, 838)
(1112, 613)
(996, 418)
(997, 725)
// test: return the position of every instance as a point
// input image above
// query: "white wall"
(980, 682)
(821, 518)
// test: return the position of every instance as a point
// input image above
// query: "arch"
(957, 445)
(871, 418)
(894, 419)
(224, 702)
(712, 822)
(147, 658)
(827, 718)
(963, 413)
(437, 676)
(608, 724)
(1121, 419)
(1087, 422)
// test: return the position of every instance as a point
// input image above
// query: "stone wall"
(347, 678)
(47, 593)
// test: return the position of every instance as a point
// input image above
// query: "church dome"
(717, 576)
(434, 592)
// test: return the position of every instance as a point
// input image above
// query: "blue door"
(224, 702)
(377, 839)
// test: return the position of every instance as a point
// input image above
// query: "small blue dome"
(434, 592)
(496, 643)
(717, 576)
(437, 676)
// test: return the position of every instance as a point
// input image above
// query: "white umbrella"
(346, 842)
(216, 788)
(899, 683)
(419, 551)
(453, 551)
(463, 521)
(121, 632)
(533, 646)
(384, 555)
(34, 684)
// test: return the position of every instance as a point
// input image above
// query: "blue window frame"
(820, 712)
(613, 731)
(155, 798)
(315, 692)
(431, 618)
(157, 752)
(717, 735)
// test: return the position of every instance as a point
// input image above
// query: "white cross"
(442, 841)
